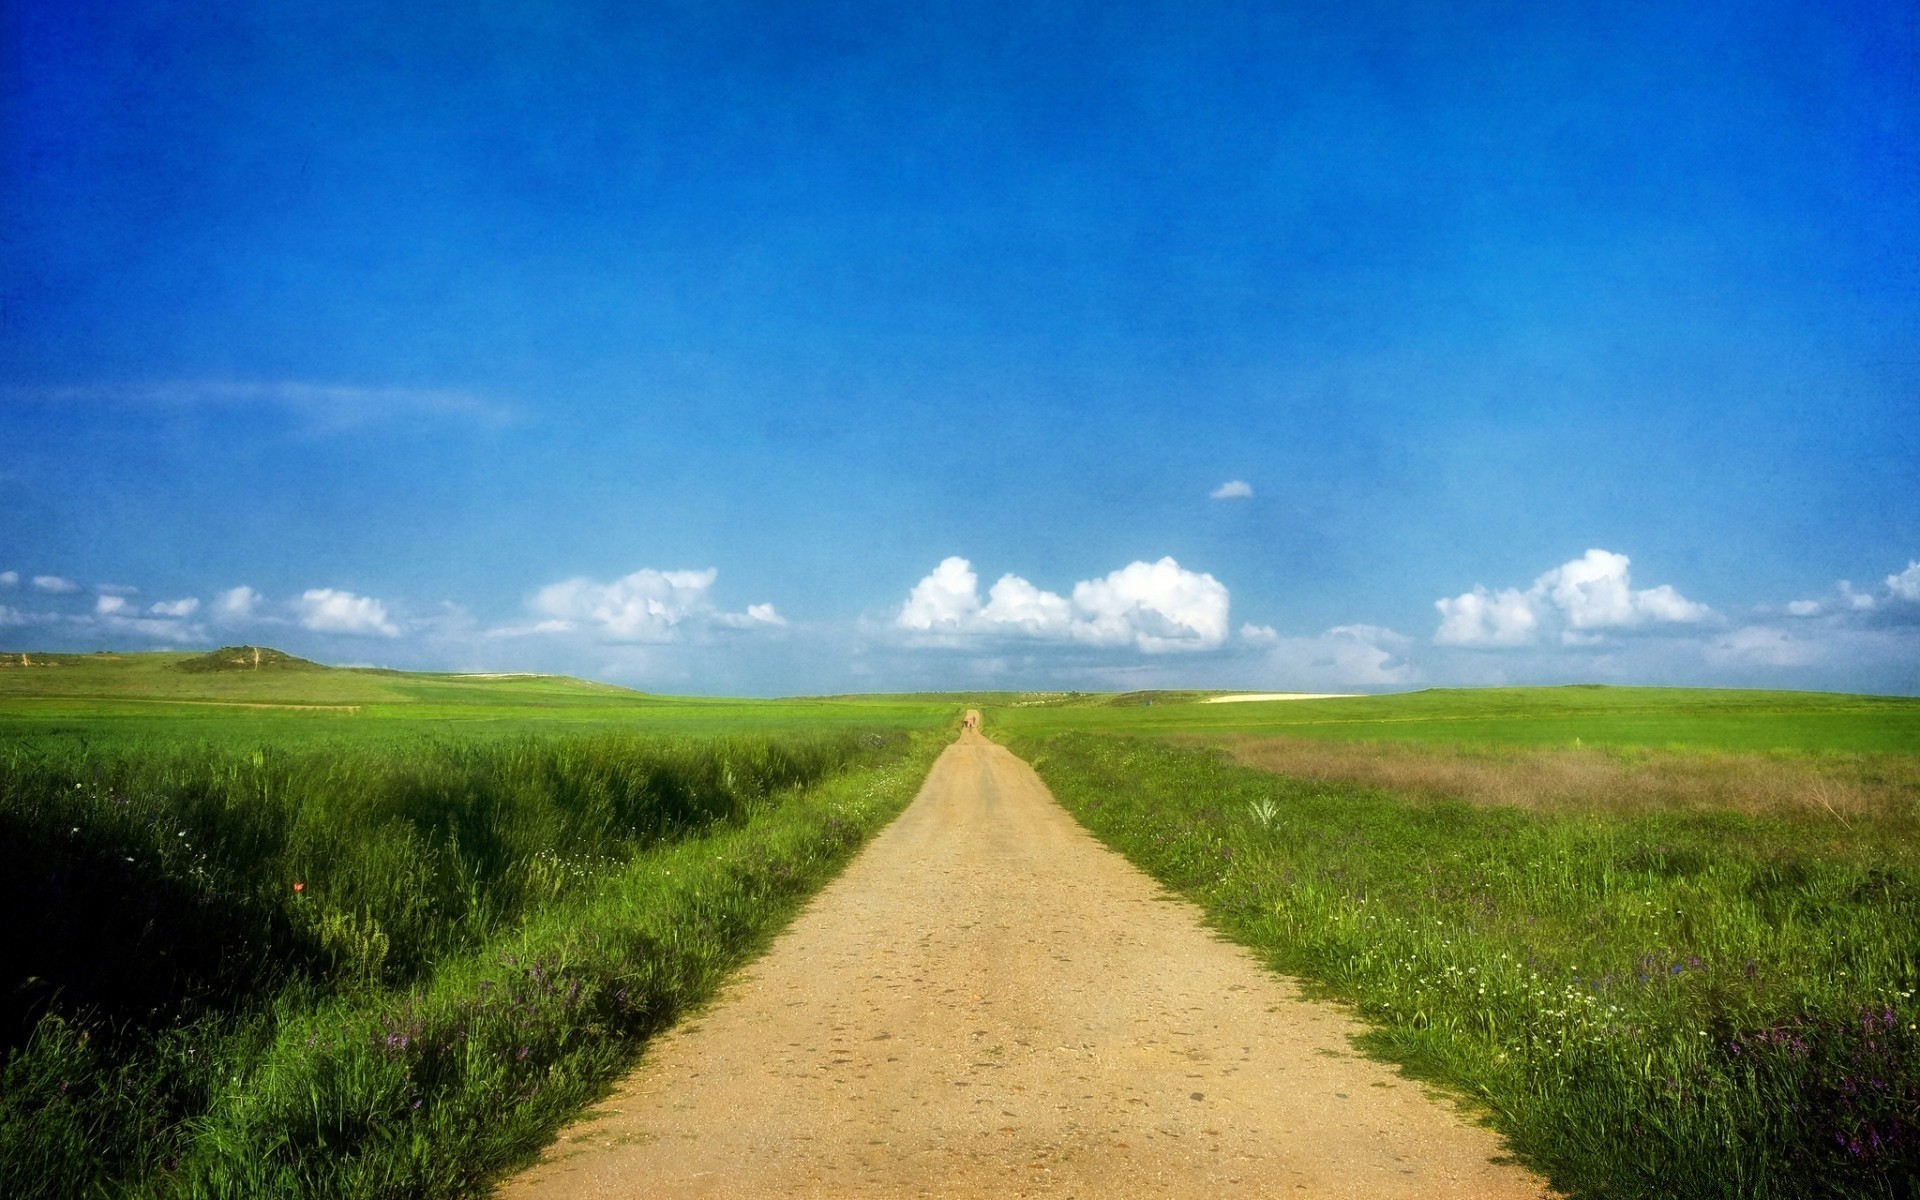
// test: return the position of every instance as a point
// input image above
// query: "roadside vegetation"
(379, 966)
(1660, 974)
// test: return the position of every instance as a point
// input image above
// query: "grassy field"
(385, 950)
(1658, 718)
(1675, 958)
(122, 699)
(316, 932)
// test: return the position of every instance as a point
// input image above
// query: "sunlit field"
(383, 950)
(1679, 966)
(306, 931)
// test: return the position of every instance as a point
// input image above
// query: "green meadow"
(281, 930)
(131, 696)
(1667, 942)
(1632, 717)
(308, 931)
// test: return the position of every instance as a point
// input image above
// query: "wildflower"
(298, 886)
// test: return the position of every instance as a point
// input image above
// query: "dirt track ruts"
(991, 1003)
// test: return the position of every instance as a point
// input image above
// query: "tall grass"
(1656, 1003)
(385, 970)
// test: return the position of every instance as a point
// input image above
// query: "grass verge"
(491, 937)
(1665, 1003)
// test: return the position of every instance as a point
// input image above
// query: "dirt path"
(991, 1003)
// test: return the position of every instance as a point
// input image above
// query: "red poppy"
(299, 887)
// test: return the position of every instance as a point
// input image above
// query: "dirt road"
(991, 1003)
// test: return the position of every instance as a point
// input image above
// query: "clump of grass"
(481, 936)
(1649, 1003)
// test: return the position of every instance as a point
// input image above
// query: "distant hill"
(246, 658)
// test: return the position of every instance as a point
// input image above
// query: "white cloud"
(1591, 593)
(1595, 593)
(110, 604)
(321, 407)
(1763, 646)
(237, 604)
(1845, 600)
(1233, 489)
(175, 608)
(643, 607)
(1483, 618)
(1015, 604)
(646, 607)
(9, 578)
(1345, 656)
(54, 585)
(327, 610)
(1906, 584)
(1155, 607)
(946, 599)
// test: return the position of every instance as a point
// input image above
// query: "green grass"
(508, 884)
(128, 699)
(1685, 1003)
(1689, 718)
(386, 952)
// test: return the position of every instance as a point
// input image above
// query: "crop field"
(1669, 942)
(384, 950)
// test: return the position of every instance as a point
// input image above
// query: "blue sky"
(682, 344)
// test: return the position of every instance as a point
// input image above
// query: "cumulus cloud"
(646, 607)
(1583, 598)
(328, 610)
(947, 598)
(1154, 607)
(237, 604)
(1905, 585)
(1483, 618)
(764, 614)
(175, 608)
(54, 585)
(1844, 600)
(1233, 489)
(110, 604)
(9, 579)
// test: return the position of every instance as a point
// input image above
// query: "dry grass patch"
(1843, 788)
